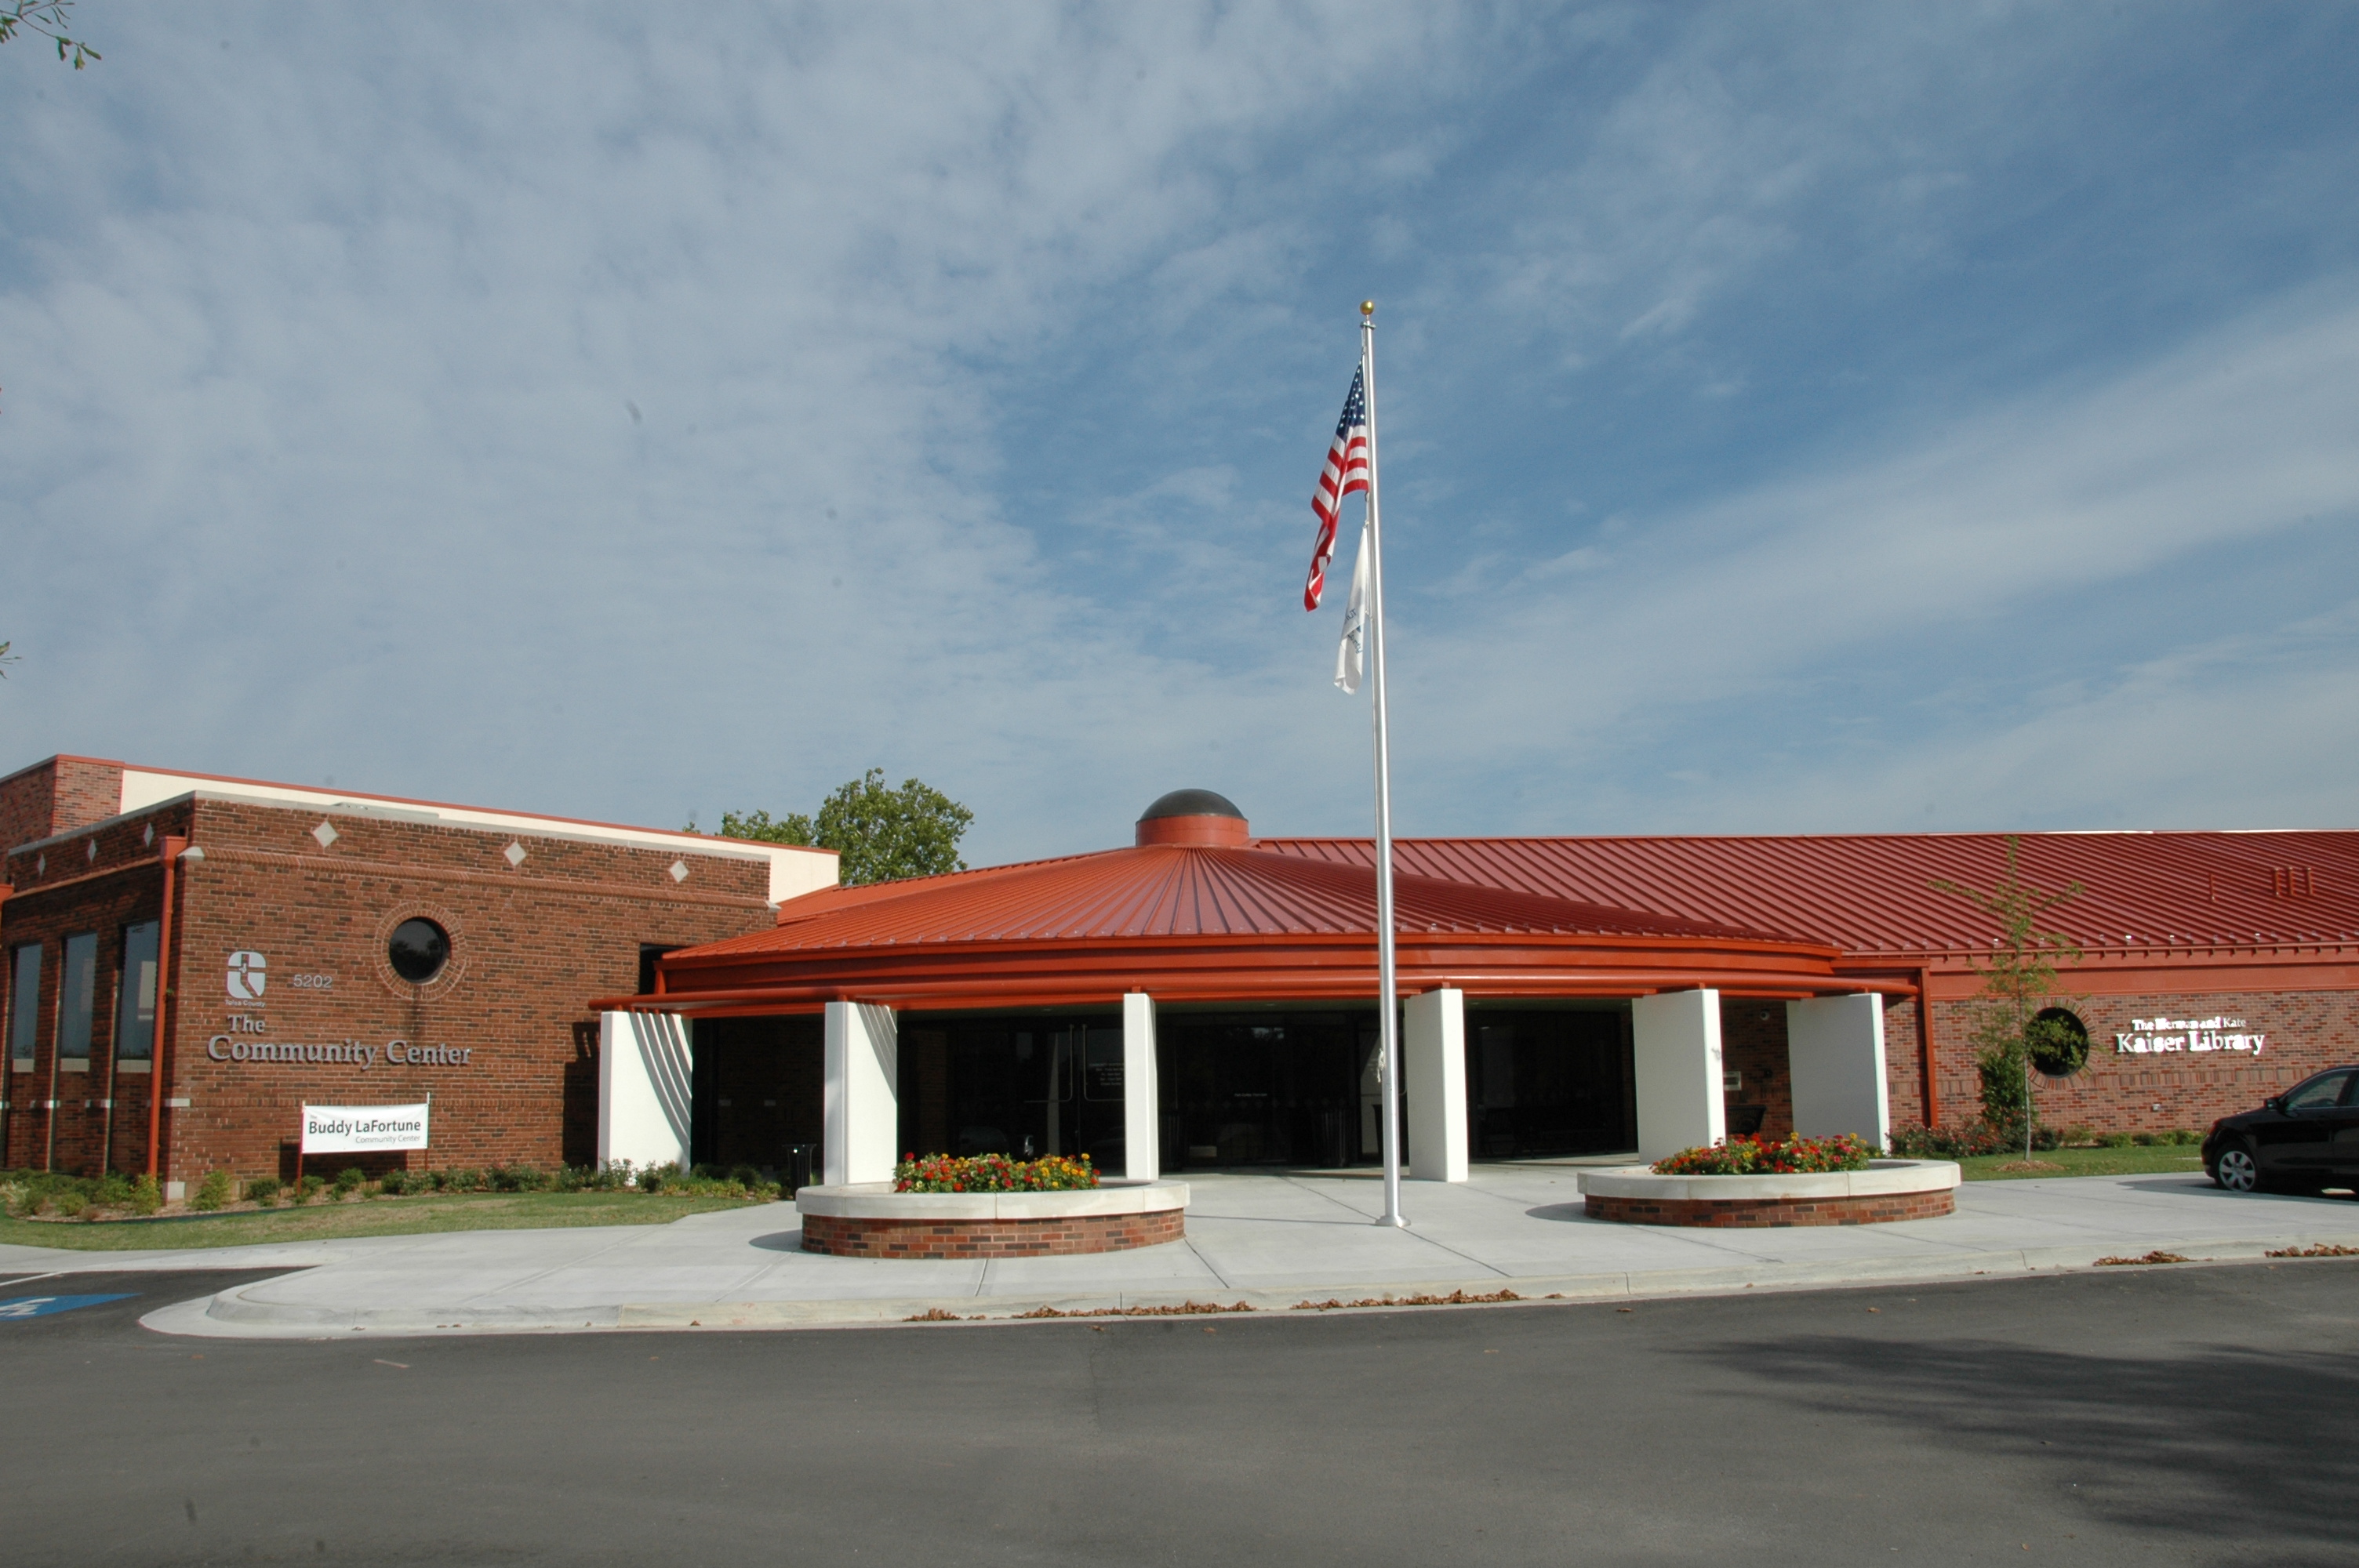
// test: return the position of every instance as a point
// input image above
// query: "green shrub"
(2114, 1140)
(349, 1180)
(114, 1190)
(519, 1179)
(308, 1188)
(264, 1190)
(147, 1196)
(393, 1184)
(461, 1179)
(745, 1176)
(2148, 1139)
(69, 1204)
(2185, 1135)
(212, 1193)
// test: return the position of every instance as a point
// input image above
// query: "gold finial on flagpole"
(1367, 307)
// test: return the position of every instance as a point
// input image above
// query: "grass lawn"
(365, 1217)
(2168, 1158)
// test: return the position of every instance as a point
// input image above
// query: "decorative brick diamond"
(93, 848)
(513, 854)
(324, 834)
(679, 871)
(148, 837)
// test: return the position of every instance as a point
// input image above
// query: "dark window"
(24, 1003)
(649, 953)
(418, 950)
(2323, 1092)
(2059, 1042)
(80, 997)
(134, 1007)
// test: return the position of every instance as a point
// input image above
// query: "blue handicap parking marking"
(42, 1306)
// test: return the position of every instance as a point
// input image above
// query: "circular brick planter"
(872, 1221)
(1888, 1190)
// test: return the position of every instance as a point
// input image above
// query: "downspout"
(160, 1052)
(1927, 1083)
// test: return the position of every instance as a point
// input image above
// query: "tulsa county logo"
(246, 979)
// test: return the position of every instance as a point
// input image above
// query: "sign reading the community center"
(362, 1129)
(2162, 1036)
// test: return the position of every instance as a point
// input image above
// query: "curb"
(233, 1314)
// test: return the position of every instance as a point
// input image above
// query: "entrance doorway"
(758, 1091)
(1543, 1083)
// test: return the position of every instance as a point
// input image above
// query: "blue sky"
(1794, 418)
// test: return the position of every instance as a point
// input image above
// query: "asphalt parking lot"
(2149, 1415)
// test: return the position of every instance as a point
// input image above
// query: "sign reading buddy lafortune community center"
(360, 1128)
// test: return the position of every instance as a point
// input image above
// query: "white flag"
(1351, 652)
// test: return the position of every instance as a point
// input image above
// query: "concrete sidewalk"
(1270, 1241)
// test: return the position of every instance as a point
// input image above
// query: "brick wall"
(1753, 1044)
(2306, 1029)
(531, 944)
(56, 796)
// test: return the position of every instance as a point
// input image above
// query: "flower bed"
(874, 1220)
(1752, 1157)
(993, 1173)
(1883, 1191)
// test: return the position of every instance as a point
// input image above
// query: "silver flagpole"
(1387, 1005)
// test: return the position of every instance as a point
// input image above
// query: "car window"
(2322, 1093)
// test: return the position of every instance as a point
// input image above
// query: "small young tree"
(2018, 980)
(882, 834)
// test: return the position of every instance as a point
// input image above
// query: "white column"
(644, 1072)
(863, 1104)
(1433, 1076)
(1834, 1049)
(1675, 1051)
(1141, 1098)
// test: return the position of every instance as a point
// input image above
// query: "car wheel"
(2235, 1170)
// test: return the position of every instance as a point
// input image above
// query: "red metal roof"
(1873, 893)
(1171, 891)
(1188, 921)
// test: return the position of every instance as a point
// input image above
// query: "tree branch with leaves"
(881, 834)
(45, 18)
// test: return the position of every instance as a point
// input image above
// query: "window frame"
(74, 1008)
(128, 1027)
(24, 1005)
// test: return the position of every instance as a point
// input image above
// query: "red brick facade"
(991, 1237)
(531, 943)
(2305, 1031)
(2116, 1092)
(1772, 1214)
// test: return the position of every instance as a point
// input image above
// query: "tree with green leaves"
(2018, 978)
(45, 18)
(882, 834)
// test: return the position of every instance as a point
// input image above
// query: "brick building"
(574, 990)
(1205, 998)
(272, 945)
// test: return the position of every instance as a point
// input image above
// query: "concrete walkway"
(1267, 1241)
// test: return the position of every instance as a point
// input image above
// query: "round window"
(2059, 1042)
(418, 950)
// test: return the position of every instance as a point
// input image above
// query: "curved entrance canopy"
(1202, 921)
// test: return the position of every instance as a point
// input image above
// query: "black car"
(2301, 1140)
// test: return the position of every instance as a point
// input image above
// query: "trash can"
(801, 1158)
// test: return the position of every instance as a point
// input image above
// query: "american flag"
(1346, 471)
